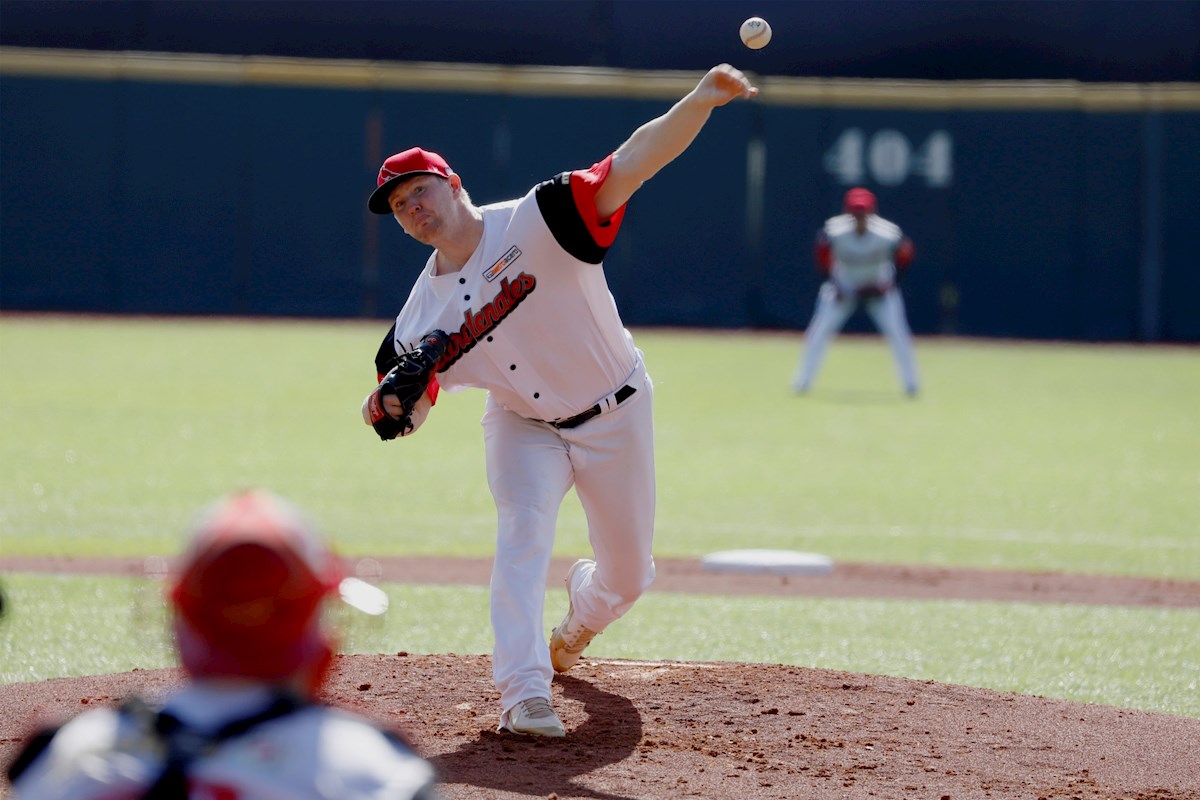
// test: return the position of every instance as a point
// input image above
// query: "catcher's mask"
(860, 201)
(248, 591)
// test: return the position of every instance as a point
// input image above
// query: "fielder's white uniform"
(532, 321)
(313, 753)
(861, 268)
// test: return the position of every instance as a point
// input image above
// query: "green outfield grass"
(1017, 456)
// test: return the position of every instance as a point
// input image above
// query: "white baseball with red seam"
(755, 33)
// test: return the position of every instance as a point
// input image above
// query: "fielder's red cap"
(413, 161)
(249, 588)
(860, 200)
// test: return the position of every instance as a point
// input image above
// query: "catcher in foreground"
(247, 599)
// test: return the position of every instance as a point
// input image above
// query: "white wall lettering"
(888, 158)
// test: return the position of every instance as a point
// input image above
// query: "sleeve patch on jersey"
(568, 205)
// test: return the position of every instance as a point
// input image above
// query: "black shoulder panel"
(562, 218)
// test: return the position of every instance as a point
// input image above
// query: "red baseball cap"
(401, 166)
(861, 200)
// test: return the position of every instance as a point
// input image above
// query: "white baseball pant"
(887, 312)
(531, 466)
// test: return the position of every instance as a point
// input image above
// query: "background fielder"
(520, 289)
(862, 256)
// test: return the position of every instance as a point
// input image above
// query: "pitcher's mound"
(665, 730)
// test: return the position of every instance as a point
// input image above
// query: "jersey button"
(461, 281)
(536, 395)
(466, 297)
(512, 366)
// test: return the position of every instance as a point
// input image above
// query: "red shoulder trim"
(584, 185)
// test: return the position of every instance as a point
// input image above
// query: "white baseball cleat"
(569, 639)
(534, 717)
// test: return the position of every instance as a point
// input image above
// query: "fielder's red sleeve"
(823, 254)
(905, 253)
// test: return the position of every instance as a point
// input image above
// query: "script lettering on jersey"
(502, 264)
(476, 324)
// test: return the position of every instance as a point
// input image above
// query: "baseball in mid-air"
(755, 33)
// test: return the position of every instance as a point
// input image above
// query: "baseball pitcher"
(517, 292)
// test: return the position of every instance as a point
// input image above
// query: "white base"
(775, 562)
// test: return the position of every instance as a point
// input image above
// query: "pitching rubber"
(776, 562)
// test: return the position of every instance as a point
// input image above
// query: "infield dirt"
(642, 730)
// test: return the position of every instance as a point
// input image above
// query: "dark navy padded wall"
(150, 197)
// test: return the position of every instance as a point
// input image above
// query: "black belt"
(621, 395)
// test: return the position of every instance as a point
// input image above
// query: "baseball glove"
(407, 381)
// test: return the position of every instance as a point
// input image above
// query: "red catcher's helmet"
(248, 592)
(860, 201)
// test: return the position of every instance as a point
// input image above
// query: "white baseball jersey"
(315, 752)
(530, 315)
(865, 260)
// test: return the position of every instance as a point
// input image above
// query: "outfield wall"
(155, 183)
